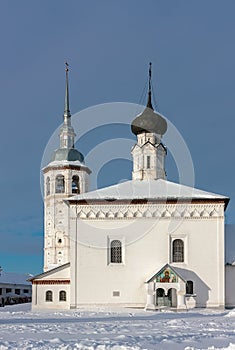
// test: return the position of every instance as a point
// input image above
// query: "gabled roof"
(167, 266)
(49, 272)
(148, 189)
(14, 278)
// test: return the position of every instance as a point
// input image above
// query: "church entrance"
(166, 288)
(162, 299)
(169, 299)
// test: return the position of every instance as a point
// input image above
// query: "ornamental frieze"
(207, 211)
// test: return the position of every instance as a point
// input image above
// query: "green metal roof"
(67, 154)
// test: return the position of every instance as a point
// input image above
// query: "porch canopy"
(166, 288)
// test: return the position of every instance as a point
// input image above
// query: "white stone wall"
(39, 295)
(39, 290)
(56, 216)
(148, 244)
(148, 145)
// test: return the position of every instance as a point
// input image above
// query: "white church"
(146, 242)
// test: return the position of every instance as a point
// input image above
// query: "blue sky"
(108, 45)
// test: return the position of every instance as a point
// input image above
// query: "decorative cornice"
(51, 282)
(151, 211)
(66, 167)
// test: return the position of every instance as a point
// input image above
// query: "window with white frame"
(116, 251)
(62, 295)
(178, 250)
(49, 295)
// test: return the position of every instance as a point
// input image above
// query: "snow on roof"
(57, 163)
(14, 278)
(49, 272)
(147, 189)
(66, 162)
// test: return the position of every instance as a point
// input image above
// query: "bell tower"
(66, 175)
(149, 152)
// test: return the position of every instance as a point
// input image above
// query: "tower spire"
(149, 103)
(67, 133)
(67, 113)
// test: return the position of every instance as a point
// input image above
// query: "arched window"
(48, 189)
(116, 251)
(49, 295)
(62, 295)
(178, 250)
(75, 184)
(189, 287)
(59, 184)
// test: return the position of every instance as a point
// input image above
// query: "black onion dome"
(70, 154)
(149, 121)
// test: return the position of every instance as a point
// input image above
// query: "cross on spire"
(149, 103)
(67, 132)
(67, 114)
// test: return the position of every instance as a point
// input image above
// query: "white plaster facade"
(203, 238)
(147, 231)
(56, 285)
(56, 213)
(148, 157)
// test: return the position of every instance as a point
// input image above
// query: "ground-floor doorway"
(166, 299)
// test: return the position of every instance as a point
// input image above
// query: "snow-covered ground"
(115, 329)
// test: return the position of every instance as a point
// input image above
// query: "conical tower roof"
(67, 150)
